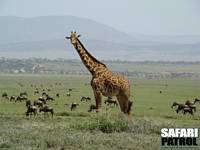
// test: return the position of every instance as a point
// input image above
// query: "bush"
(105, 124)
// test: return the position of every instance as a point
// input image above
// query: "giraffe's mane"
(93, 58)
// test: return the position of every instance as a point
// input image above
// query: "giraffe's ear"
(67, 37)
(78, 35)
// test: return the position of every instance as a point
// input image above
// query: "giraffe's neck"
(88, 60)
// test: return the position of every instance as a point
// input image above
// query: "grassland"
(80, 129)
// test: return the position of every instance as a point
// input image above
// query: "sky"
(147, 17)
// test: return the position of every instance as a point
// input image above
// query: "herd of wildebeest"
(33, 107)
(41, 103)
(187, 107)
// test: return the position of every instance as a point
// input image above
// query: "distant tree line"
(75, 67)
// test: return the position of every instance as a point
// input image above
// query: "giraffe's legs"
(125, 104)
(97, 96)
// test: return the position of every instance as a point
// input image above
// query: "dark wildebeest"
(21, 98)
(47, 109)
(196, 100)
(57, 95)
(181, 107)
(36, 92)
(109, 102)
(191, 104)
(188, 110)
(49, 98)
(85, 99)
(73, 106)
(30, 109)
(92, 108)
(12, 98)
(38, 103)
(42, 99)
(23, 94)
(4, 95)
(44, 94)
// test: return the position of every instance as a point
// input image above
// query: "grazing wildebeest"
(12, 98)
(92, 108)
(38, 103)
(188, 110)
(23, 94)
(196, 100)
(21, 98)
(36, 92)
(109, 102)
(85, 99)
(42, 99)
(181, 107)
(57, 95)
(191, 104)
(47, 109)
(30, 108)
(73, 106)
(44, 94)
(48, 90)
(49, 98)
(4, 95)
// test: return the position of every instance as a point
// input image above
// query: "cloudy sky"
(149, 17)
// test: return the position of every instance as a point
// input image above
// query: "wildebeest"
(109, 102)
(188, 110)
(42, 99)
(49, 98)
(74, 105)
(30, 108)
(23, 94)
(57, 95)
(85, 99)
(44, 94)
(92, 108)
(47, 109)
(36, 92)
(38, 103)
(191, 104)
(183, 107)
(4, 95)
(12, 98)
(196, 100)
(21, 98)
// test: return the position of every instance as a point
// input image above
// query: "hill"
(44, 37)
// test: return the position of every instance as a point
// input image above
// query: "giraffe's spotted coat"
(104, 81)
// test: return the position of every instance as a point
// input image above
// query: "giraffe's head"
(73, 37)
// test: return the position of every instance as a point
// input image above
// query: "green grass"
(79, 129)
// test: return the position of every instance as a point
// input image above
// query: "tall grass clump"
(104, 123)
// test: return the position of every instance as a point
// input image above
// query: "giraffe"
(104, 81)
